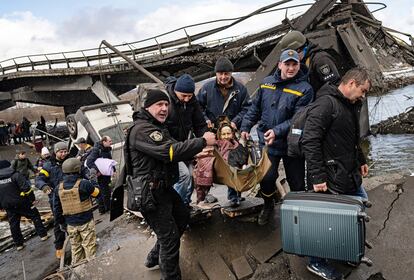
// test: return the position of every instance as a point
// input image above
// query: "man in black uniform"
(154, 158)
(16, 197)
(322, 66)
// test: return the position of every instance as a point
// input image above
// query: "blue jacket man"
(224, 96)
(47, 180)
(279, 97)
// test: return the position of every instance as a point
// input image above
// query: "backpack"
(295, 135)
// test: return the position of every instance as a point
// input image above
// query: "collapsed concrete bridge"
(346, 27)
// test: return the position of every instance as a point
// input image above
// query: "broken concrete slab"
(241, 268)
(214, 267)
(271, 271)
(393, 250)
(267, 248)
(381, 200)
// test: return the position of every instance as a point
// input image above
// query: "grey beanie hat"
(223, 64)
(60, 146)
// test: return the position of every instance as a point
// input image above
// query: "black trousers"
(14, 215)
(58, 233)
(104, 198)
(295, 174)
(169, 222)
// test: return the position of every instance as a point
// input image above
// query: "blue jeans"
(361, 192)
(184, 187)
(232, 194)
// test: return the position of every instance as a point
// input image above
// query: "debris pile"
(401, 124)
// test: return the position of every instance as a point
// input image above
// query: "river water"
(391, 153)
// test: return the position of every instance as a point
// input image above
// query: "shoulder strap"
(334, 101)
(127, 151)
(15, 164)
(76, 186)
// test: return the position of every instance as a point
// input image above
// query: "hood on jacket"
(6, 172)
(331, 89)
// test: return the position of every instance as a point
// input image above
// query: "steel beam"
(104, 93)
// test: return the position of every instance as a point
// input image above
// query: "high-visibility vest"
(70, 200)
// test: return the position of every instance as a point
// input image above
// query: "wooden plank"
(249, 206)
(215, 268)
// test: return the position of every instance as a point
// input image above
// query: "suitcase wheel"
(367, 261)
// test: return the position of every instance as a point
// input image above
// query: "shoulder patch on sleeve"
(156, 136)
(325, 69)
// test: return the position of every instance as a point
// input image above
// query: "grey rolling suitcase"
(324, 225)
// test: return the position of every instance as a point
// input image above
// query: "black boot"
(267, 211)
(153, 256)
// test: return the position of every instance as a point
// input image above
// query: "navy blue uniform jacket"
(274, 105)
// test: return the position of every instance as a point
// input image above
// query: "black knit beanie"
(155, 95)
(185, 84)
(4, 164)
(223, 64)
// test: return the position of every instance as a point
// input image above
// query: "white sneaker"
(44, 238)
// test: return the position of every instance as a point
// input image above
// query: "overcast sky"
(45, 26)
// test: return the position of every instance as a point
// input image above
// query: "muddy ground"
(214, 249)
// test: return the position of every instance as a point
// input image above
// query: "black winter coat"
(98, 151)
(154, 152)
(12, 183)
(184, 119)
(322, 66)
(331, 142)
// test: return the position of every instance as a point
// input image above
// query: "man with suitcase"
(331, 145)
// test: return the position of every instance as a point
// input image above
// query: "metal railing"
(92, 57)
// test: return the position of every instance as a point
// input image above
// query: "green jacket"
(23, 166)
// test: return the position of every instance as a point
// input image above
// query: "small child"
(229, 148)
(44, 156)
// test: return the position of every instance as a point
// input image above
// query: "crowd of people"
(70, 183)
(172, 139)
(168, 134)
(12, 133)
